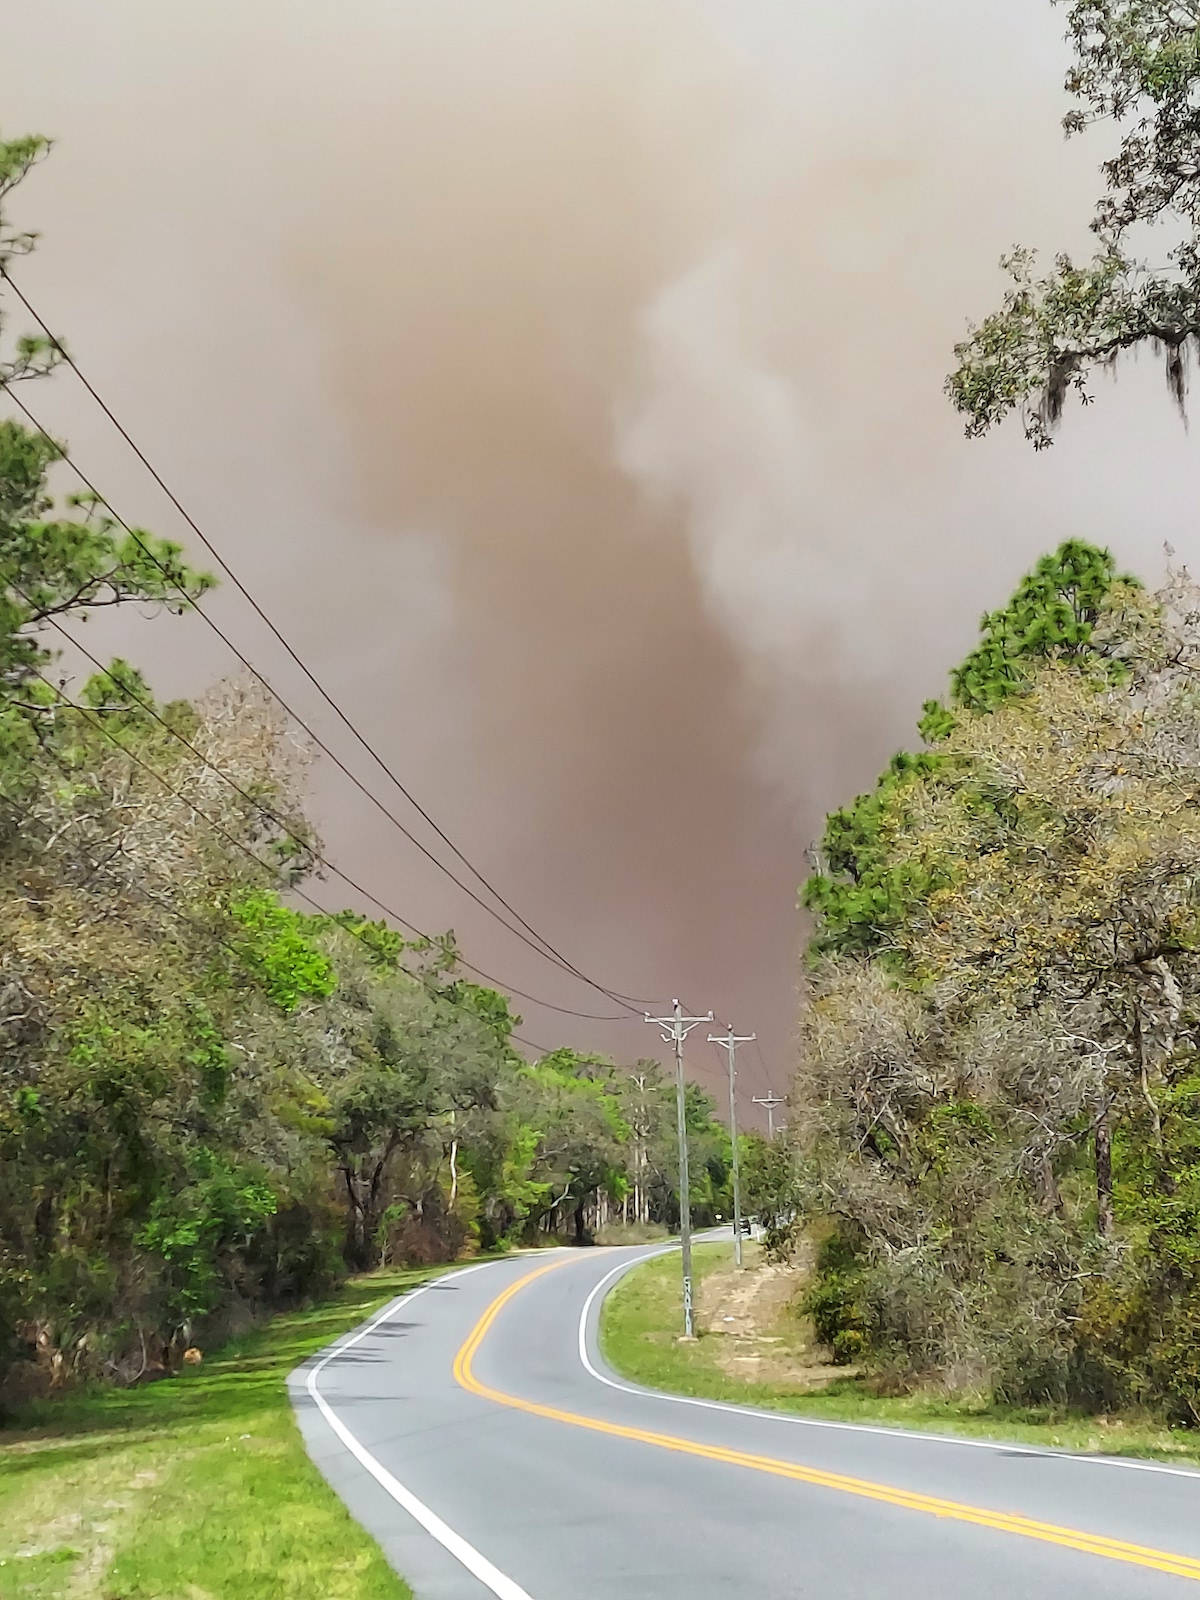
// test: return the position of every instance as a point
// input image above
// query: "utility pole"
(675, 1030)
(730, 1041)
(772, 1103)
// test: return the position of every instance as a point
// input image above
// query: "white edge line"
(479, 1566)
(822, 1422)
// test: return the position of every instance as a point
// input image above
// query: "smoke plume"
(567, 381)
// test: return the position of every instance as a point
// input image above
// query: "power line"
(298, 659)
(224, 637)
(218, 827)
(191, 922)
(210, 933)
(273, 817)
(759, 1067)
(296, 838)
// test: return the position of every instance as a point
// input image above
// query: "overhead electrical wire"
(762, 1061)
(177, 915)
(97, 721)
(304, 844)
(300, 722)
(756, 1067)
(174, 913)
(543, 946)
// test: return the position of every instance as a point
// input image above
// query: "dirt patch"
(763, 1338)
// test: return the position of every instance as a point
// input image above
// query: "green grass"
(194, 1488)
(639, 1329)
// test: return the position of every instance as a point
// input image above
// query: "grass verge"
(194, 1488)
(639, 1337)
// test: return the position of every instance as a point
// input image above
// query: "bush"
(839, 1301)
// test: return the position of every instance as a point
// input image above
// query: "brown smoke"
(567, 379)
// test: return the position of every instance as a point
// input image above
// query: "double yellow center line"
(932, 1505)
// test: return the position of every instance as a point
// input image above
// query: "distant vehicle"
(746, 1225)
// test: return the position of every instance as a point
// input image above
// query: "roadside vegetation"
(995, 1125)
(217, 1099)
(639, 1335)
(196, 1486)
(997, 1111)
(996, 1117)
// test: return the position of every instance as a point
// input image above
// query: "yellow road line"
(1002, 1521)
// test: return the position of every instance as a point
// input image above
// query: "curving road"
(474, 1430)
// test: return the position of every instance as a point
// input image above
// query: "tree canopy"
(998, 1104)
(1136, 68)
(862, 889)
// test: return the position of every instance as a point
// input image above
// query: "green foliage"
(16, 158)
(1000, 1103)
(219, 1210)
(1140, 1326)
(869, 882)
(950, 1125)
(768, 1181)
(1052, 615)
(208, 1056)
(861, 891)
(581, 1131)
(53, 567)
(384, 946)
(280, 950)
(55, 561)
(699, 1110)
(1136, 64)
(489, 1005)
(838, 1300)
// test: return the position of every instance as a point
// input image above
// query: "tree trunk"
(1047, 1186)
(1104, 1204)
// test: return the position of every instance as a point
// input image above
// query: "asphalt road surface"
(474, 1430)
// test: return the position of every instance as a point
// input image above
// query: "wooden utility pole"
(730, 1041)
(675, 1030)
(772, 1103)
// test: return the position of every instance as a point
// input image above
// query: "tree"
(1136, 65)
(863, 888)
(573, 1102)
(769, 1185)
(647, 1100)
(153, 1154)
(56, 561)
(155, 1159)
(998, 1099)
(408, 1073)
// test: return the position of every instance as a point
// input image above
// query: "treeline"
(997, 1128)
(997, 1113)
(212, 1102)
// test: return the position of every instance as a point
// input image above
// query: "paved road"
(475, 1431)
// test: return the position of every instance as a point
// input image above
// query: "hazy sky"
(565, 379)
